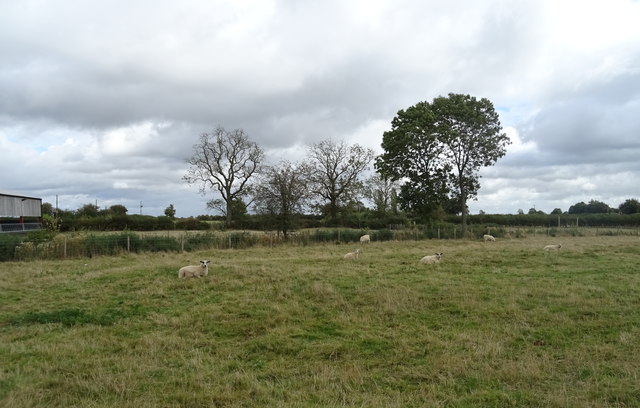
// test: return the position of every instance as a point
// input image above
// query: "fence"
(20, 227)
(44, 245)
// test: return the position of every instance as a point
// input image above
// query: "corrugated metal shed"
(15, 205)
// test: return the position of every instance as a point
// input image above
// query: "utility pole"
(140, 207)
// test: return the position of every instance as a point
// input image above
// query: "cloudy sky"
(102, 101)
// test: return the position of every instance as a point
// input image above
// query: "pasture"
(496, 324)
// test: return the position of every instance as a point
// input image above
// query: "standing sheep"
(488, 237)
(552, 247)
(194, 271)
(365, 238)
(352, 255)
(432, 259)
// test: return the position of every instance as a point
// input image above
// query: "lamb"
(194, 271)
(432, 259)
(352, 255)
(488, 237)
(552, 247)
(365, 238)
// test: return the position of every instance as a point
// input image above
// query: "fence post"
(229, 241)
(182, 243)
(64, 251)
(438, 232)
(128, 244)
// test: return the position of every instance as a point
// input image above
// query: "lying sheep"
(488, 237)
(352, 255)
(365, 238)
(432, 259)
(194, 271)
(552, 247)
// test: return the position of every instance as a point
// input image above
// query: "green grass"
(493, 325)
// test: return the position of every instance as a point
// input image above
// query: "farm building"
(15, 209)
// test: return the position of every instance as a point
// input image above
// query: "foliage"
(118, 210)
(383, 193)
(440, 147)
(8, 245)
(630, 206)
(282, 193)
(334, 173)
(594, 207)
(170, 211)
(87, 210)
(225, 161)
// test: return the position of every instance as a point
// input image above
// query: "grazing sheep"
(352, 255)
(194, 271)
(488, 237)
(431, 259)
(552, 247)
(365, 238)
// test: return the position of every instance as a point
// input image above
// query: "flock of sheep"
(198, 271)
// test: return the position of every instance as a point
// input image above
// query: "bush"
(8, 244)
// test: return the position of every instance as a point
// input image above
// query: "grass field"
(497, 324)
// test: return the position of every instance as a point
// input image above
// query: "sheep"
(488, 237)
(431, 259)
(193, 271)
(352, 255)
(365, 238)
(552, 247)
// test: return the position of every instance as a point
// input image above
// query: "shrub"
(8, 244)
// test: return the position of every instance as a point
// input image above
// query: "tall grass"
(498, 325)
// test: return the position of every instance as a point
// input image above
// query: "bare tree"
(282, 192)
(382, 192)
(225, 161)
(335, 170)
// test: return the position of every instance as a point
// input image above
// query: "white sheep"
(352, 255)
(488, 237)
(552, 247)
(193, 271)
(365, 238)
(431, 259)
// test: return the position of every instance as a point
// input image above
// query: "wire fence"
(46, 245)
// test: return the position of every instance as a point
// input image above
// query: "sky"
(101, 102)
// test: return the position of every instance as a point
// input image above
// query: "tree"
(225, 161)
(334, 172)
(630, 206)
(439, 147)
(557, 211)
(170, 211)
(578, 208)
(594, 207)
(282, 193)
(87, 210)
(383, 193)
(118, 209)
(598, 207)
(47, 209)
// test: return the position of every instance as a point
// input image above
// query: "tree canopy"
(225, 161)
(282, 193)
(334, 172)
(438, 149)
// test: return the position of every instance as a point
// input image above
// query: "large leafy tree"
(224, 161)
(335, 169)
(438, 148)
(282, 193)
(630, 206)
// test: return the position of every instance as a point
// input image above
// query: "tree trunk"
(228, 221)
(464, 219)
